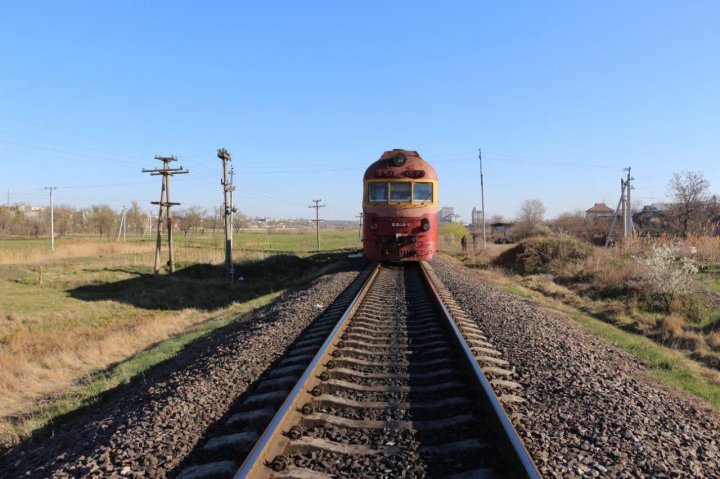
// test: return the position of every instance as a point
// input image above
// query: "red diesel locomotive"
(400, 208)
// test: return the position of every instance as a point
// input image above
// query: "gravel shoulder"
(591, 410)
(149, 429)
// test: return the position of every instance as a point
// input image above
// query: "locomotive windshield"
(422, 193)
(400, 192)
(377, 192)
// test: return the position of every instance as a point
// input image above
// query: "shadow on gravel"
(204, 287)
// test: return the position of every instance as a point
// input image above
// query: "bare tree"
(239, 221)
(136, 218)
(531, 211)
(571, 224)
(63, 219)
(191, 218)
(103, 219)
(689, 189)
(7, 217)
(38, 223)
(530, 219)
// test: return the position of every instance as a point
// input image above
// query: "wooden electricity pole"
(621, 205)
(166, 172)
(228, 189)
(317, 207)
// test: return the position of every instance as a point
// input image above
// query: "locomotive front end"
(400, 208)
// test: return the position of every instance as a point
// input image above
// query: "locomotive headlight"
(399, 159)
(373, 226)
(425, 224)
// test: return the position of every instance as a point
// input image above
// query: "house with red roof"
(599, 210)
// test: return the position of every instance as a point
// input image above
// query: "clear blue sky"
(560, 95)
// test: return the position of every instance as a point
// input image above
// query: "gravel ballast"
(149, 429)
(591, 409)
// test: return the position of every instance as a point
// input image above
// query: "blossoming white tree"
(668, 276)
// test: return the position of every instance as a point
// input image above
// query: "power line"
(63, 130)
(71, 153)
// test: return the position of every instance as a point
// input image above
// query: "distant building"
(477, 217)
(446, 213)
(653, 220)
(600, 210)
(29, 211)
(500, 229)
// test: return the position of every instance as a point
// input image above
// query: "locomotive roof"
(385, 164)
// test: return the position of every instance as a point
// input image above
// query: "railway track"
(396, 387)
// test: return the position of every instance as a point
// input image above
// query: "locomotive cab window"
(377, 192)
(400, 192)
(423, 193)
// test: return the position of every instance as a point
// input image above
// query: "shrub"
(666, 276)
(546, 255)
(695, 308)
(455, 230)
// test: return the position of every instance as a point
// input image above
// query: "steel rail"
(267, 446)
(519, 459)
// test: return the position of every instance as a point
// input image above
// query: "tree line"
(104, 221)
(691, 210)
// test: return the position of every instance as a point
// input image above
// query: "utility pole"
(628, 226)
(166, 172)
(121, 226)
(52, 216)
(148, 225)
(621, 204)
(228, 189)
(360, 225)
(623, 211)
(482, 200)
(317, 207)
(233, 210)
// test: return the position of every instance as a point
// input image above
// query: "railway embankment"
(148, 429)
(593, 410)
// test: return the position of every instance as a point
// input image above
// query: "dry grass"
(98, 305)
(448, 244)
(195, 249)
(50, 337)
(36, 363)
(713, 340)
(671, 327)
(707, 248)
(610, 284)
(34, 252)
